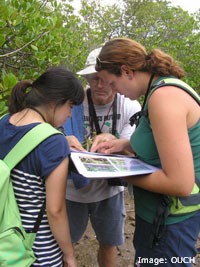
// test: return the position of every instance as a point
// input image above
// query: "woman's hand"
(74, 143)
(69, 261)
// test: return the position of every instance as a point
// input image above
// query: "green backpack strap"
(28, 142)
(167, 82)
(177, 83)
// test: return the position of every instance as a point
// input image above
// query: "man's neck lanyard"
(93, 117)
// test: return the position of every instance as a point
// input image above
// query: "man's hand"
(121, 146)
(101, 138)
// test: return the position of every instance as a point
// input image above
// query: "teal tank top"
(143, 143)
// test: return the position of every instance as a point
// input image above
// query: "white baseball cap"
(90, 62)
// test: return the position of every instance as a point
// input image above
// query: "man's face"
(102, 93)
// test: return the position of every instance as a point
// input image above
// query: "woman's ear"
(127, 71)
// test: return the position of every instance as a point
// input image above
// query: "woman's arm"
(57, 213)
(171, 113)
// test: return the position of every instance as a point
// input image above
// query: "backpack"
(173, 205)
(15, 243)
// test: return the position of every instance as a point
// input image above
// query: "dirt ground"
(86, 249)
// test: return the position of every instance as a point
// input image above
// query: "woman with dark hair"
(167, 136)
(43, 173)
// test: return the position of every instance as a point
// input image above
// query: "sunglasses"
(99, 62)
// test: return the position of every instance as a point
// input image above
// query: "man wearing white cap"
(102, 202)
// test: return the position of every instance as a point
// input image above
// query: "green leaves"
(8, 80)
(34, 47)
(156, 24)
(37, 34)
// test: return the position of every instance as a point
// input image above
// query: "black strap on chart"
(39, 219)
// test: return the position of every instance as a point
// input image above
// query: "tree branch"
(21, 48)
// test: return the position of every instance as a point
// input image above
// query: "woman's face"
(61, 113)
(122, 84)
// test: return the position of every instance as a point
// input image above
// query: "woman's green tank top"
(143, 143)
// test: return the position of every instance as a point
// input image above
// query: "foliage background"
(36, 34)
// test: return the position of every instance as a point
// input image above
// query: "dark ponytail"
(17, 100)
(56, 85)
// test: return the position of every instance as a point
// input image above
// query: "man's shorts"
(107, 218)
